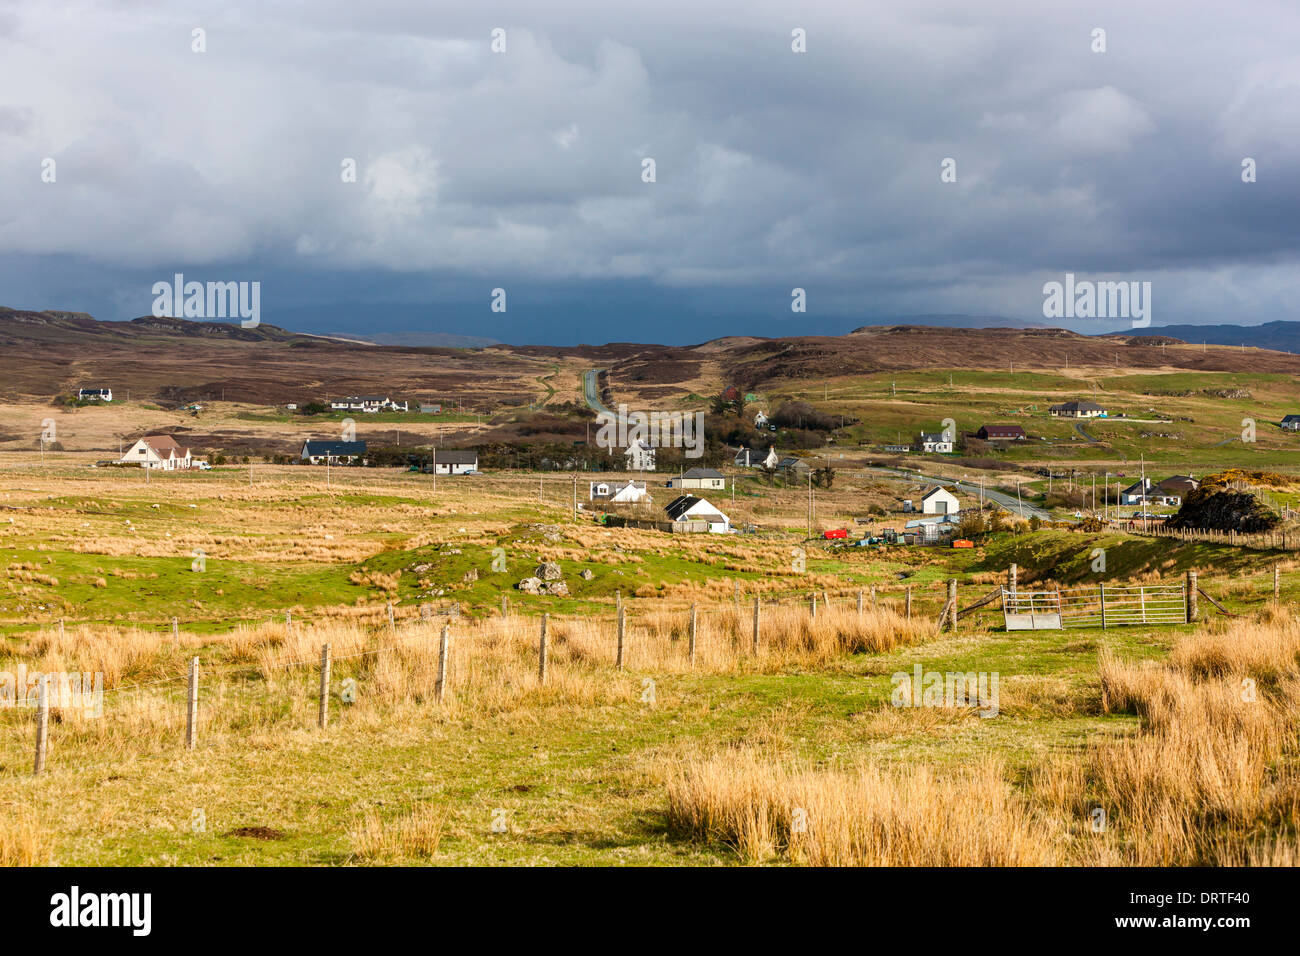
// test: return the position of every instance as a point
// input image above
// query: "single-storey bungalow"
(1002, 433)
(332, 452)
(792, 467)
(704, 478)
(95, 394)
(1291, 423)
(1145, 492)
(454, 461)
(161, 452)
(1077, 410)
(690, 508)
(939, 501)
(619, 492)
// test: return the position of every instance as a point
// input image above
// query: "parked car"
(203, 466)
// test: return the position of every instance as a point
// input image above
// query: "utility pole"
(810, 503)
(1105, 496)
(575, 497)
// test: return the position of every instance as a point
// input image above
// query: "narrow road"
(1086, 437)
(997, 497)
(591, 393)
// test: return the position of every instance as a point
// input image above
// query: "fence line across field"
(726, 632)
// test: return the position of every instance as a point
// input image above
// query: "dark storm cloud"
(774, 169)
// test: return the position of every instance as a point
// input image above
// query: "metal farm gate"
(1096, 605)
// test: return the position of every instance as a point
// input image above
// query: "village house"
(428, 409)
(619, 492)
(1176, 488)
(95, 394)
(160, 452)
(939, 501)
(746, 458)
(332, 452)
(454, 461)
(689, 508)
(1146, 492)
(791, 467)
(898, 449)
(370, 404)
(1002, 433)
(760, 420)
(1077, 410)
(702, 478)
(1291, 423)
(936, 443)
(640, 457)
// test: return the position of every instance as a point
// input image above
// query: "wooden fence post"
(443, 642)
(323, 717)
(756, 624)
(1103, 606)
(692, 638)
(859, 602)
(42, 724)
(952, 599)
(812, 606)
(619, 662)
(505, 605)
(907, 602)
(1011, 579)
(192, 708)
(541, 651)
(175, 628)
(873, 596)
(1277, 583)
(392, 625)
(1191, 597)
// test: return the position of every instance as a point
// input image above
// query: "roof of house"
(701, 473)
(616, 487)
(1002, 430)
(1178, 482)
(639, 443)
(935, 490)
(1078, 407)
(94, 388)
(789, 461)
(683, 503)
(315, 448)
(1141, 485)
(162, 444)
(455, 456)
(1291, 418)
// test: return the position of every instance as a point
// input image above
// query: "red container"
(836, 533)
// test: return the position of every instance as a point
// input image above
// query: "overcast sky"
(522, 169)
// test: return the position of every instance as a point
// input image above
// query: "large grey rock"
(530, 585)
(549, 571)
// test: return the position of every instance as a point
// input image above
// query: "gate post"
(1103, 606)
(1191, 597)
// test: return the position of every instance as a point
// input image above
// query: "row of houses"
(442, 461)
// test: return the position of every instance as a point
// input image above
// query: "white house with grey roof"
(701, 478)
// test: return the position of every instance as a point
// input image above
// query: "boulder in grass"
(530, 585)
(549, 571)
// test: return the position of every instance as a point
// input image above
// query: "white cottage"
(689, 508)
(619, 492)
(160, 452)
(939, 501)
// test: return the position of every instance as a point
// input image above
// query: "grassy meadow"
(674, 759)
